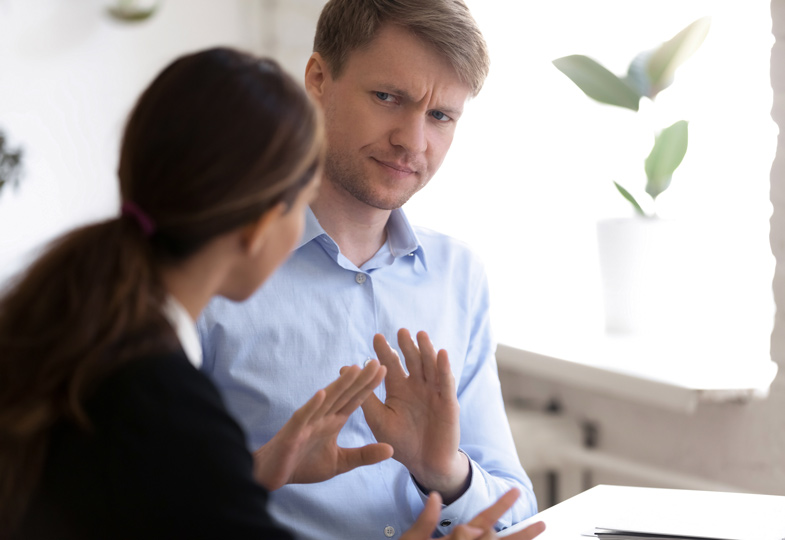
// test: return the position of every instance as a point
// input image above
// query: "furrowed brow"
(391, 89)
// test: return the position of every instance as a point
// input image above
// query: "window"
(531, 169)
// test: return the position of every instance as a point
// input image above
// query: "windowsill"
(677, 376)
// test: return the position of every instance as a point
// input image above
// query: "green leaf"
(637, 76)
(132, 10)
(671, 54)
(669, 149)
(627, 195)
(597, 82)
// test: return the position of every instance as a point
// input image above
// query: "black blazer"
(164, 460)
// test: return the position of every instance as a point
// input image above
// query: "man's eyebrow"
(408, 97)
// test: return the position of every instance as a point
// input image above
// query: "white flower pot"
(638, 265)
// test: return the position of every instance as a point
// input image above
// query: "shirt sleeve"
(485, 431)
(182, 467)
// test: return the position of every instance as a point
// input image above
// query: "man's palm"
(420, 415)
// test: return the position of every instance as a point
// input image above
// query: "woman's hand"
(479, 528)
(306, 450)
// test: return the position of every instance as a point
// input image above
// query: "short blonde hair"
(447, 25)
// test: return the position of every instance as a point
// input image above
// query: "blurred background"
(529, 177)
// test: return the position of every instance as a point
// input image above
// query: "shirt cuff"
(462, 509)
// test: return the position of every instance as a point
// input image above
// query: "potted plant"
(10, 164)
(132, 10)
(631, 249)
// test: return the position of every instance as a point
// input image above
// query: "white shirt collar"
(185, 327)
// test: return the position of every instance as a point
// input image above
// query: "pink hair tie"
(144, 221)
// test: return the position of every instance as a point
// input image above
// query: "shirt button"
(360, 278)
(389, 531)
(367, 361)
(445, 523)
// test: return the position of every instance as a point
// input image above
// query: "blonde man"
(392, 77)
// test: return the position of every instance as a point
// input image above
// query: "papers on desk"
(634, 513)
(613, 534)
(673, 514)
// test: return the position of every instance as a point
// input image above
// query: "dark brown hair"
(447, 25)
(215, 141)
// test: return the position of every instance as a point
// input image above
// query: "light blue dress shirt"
(270, 354)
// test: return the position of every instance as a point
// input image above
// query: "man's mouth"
(399, 167)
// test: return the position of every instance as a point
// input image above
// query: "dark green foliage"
(10, 164)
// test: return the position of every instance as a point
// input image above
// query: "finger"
(349, 395)
(302, 415)
(446, 379)
(467, 532)
(488, 517)
(529, 532)
(388, 357)
(351, 458)
(363, 392)
(374, 411)
(335, 390)
(427, 520)
(428, 356)
(411, 353)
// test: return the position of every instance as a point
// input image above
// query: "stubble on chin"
(339, 170)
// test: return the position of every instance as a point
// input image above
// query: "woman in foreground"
(107, 428)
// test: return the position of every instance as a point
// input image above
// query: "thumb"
(365, 455)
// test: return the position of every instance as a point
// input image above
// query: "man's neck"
(358, 229)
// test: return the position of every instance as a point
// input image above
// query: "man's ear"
(316, 75)
(254, 235)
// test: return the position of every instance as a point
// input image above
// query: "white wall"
(68, 77)
(288, 27)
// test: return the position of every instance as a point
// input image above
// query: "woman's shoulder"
(162, 457)
(164, 400)
(155, 376)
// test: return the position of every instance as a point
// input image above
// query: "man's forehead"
(404, 65)
(396, 48)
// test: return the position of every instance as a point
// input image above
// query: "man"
(392, 77)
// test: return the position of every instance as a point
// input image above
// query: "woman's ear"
(255, 234)
(316, 75)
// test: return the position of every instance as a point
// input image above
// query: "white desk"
(742, 516)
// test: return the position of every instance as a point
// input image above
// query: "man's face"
(390, 118)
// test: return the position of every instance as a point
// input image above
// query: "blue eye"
(439, 115)
(384, 96)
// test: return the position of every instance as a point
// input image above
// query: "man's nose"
(410, 134)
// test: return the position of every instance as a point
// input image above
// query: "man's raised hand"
(420, 415)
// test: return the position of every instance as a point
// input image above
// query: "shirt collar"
(401, 238)
(185, 327)
(312, 228)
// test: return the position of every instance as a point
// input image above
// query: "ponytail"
(78, 312)
(215, 141)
